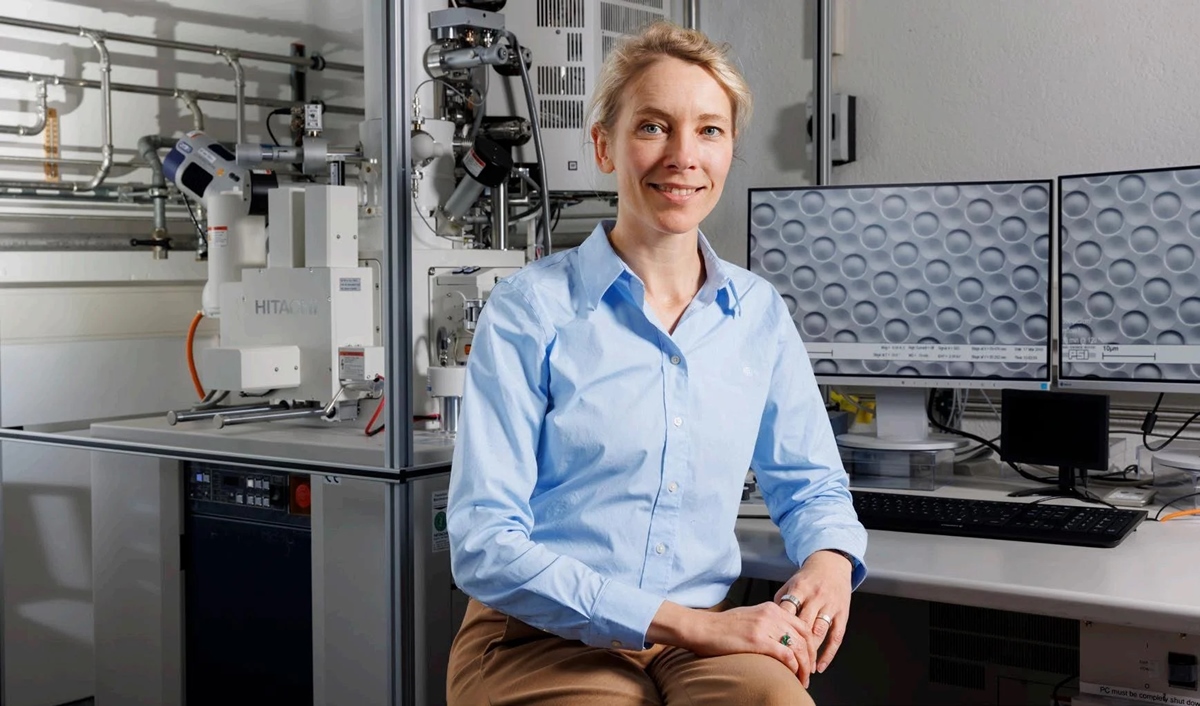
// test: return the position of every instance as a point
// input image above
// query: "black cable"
(1146, 435)
(982, 442)
(195, 221)
(531, 105)
(1164, 507)
(1058, 687)
(277, 111)
(376, 430)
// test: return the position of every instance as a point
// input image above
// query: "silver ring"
(791, 599)
(827, 618)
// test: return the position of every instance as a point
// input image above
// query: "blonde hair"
(632, 55)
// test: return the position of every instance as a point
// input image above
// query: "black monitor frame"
(1055, 428)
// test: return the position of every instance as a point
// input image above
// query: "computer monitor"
(1068, 430)
(904, 287)
(1130, 284)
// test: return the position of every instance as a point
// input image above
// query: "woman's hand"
(756, 629)
(822, 588)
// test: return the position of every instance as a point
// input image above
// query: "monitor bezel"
(1091, 382)
(929, 381)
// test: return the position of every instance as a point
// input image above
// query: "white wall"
(48, 635)
(967, 90)
(767, 38)
(1019, 88)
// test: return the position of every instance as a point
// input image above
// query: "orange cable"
(1181, 513)
(191, 360)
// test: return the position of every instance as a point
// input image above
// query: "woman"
(615, 396)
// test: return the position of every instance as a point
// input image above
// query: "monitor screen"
(1079, 423)
(1130, 292)
(909, 284)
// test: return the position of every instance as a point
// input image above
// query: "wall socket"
(843, 138)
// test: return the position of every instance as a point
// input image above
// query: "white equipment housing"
(284, 327)
(569, 40)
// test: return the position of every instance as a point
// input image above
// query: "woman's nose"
(683, 151)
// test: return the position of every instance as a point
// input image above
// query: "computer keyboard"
(1083, 526)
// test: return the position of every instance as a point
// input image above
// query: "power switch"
(1181, 670)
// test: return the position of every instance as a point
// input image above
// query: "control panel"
(249, 493)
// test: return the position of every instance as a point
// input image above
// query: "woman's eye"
(712, 131)
(651, 129)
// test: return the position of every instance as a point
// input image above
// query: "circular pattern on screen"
(957, 264)
(1129, 255)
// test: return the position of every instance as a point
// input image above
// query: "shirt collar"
(600, 267)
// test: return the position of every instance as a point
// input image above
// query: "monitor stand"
(901, 425)
(1066, 488)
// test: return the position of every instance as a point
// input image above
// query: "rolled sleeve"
(797, 465)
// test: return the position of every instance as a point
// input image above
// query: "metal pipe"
(822, 95)
(106, 152)
(65, 242)
(239, 88)
(193, 415)
(12, 159)
(691, 14)
(316, 61)
(38, 125)
(148, 147)
(223, 420)
(167, 92)
(500, 216)
(189, 99)
(104, 194)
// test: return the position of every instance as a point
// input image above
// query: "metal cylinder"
(822, 95)
(450, 408)
(194, 415)
(500, 216)
(227, 420)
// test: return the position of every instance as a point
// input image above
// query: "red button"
(303, 496)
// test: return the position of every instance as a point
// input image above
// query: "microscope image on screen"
(905, 287)
(1130, 293)
(930, 281)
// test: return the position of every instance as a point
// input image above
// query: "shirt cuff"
(849, 543)
(621, 616)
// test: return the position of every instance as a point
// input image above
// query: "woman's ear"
(601, 145)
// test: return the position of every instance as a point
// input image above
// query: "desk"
(1150, 582)
(382, 602)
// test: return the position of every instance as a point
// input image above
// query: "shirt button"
(660, 548)
(616, 643)
(678, 421)
(673, 486)
(674, 360)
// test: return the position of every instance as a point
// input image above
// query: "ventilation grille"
(645, 3)
(574, 46)
(625, 20)
(963, 639)
(607, 43)
(561, 113)
(561, 81)
(560, 13)
(954, 673)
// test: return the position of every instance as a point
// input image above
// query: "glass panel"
(228, 301)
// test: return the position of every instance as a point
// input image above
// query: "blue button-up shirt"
(599, 465)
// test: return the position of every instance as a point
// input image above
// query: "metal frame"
(822, 94)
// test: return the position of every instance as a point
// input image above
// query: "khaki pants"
(500, 661)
